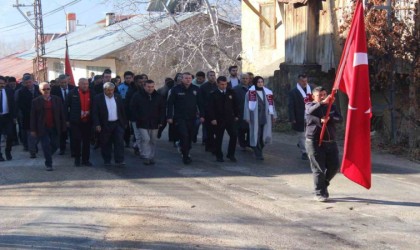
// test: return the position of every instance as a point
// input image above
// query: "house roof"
(14, 66)
(97, 41)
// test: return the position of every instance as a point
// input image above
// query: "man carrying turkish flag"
(67, 66)
(353, 79)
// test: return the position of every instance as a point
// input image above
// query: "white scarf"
(252, 104)
(302, 92)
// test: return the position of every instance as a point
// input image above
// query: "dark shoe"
(260, 158)
(147, 162)
(305, 157)
(48, 168)
(87, 164)
(33, 155)
(107, 164)
(62, 152)
(186, 160)
(136, 151)
(231, 158)
(152, 162)
(77, 162)
(220, 159)
(1, 158)
(8, 156)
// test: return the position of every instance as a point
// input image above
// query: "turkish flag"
(353, 79)
(67, 66)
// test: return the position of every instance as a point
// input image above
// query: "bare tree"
(208, 40)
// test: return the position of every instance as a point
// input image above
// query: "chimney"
(71, 22)
(109, 19)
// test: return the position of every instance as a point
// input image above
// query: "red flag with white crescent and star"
(67, 66)
(353, 79)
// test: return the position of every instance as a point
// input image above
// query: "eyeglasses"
(46, 89)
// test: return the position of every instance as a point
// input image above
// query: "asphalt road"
(205, 205)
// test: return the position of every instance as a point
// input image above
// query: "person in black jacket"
(149, 117)
(205, 90)
(137, 86)
(242, 125)
(182, 109)
(323, 158)
(110, 121)
(7, 117)
(223, 112)
(23, 98)
(298, 96)
(62, 91)
(80, 103)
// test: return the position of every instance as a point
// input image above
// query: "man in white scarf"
(298, 96)
(260, 113)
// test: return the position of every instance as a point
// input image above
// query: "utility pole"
(40, 63)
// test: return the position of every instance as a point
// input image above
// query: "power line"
(21, 24)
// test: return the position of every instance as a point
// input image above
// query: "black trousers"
(324, 163)
(112, 136)
(6, 128)
(127, 135)
(210, 137)
(185, 132)
(243, 133)
(81, 134)
(220, 131)
(63, 140)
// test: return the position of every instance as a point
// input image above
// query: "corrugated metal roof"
(13, 66)
(96, 41)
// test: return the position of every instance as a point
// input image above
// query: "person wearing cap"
(109, 120)
(7, 117)
(48, 121)
(23, 98)
(298, 97)
(62, 91)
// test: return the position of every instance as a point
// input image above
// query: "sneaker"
(320, 198)
(305, 157)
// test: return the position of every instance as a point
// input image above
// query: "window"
(268, 34)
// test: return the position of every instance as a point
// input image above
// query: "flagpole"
(337, 78)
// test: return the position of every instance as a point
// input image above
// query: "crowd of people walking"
(113, 114)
